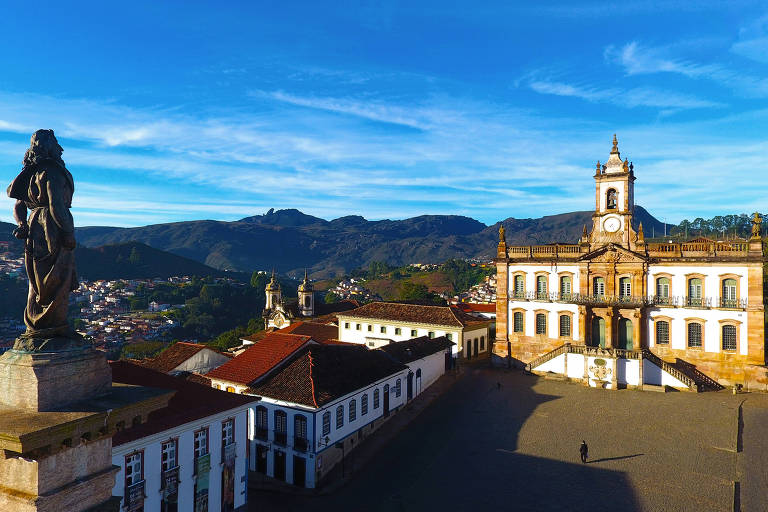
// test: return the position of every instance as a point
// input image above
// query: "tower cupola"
(306, 297)
(273, 292)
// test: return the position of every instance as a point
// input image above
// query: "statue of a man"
(44, 188)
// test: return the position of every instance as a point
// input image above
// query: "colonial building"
(696, 309)
(379, 323)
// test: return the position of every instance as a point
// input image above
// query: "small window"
(227, 432)
(565, 287)
(431, 334)
(598, 286)
(694, 292)
(729, 338)
(201, 442)
(230, 389)
(517, 321)
(541, 323)
(398, 331)
(134, 468)
(281, 422)
(662, 332)
(339, 416)
(376, 398)
(364, 404)
(352, 410)
(370, 328)
(168, 457)
(482, 342)
(346, 325)
(262, 423)
(326, 423)
(541, 287)
(358, 327)
(611, 199)
(694, 335)
(383, 330)
(625, 287)
(307, 301)
(414, 333)
(729, 293)
(519, 287)
(565, 326)
(662, 287)
(449, 336)
(300, 427)
(398, 388)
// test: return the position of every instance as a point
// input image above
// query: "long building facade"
(698, 305)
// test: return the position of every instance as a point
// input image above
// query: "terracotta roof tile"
(318, 332)
(319, 374)
(416, 348)
(259, 359)
(471, 307)
(174, 355)
(414, 313)
(191, 402)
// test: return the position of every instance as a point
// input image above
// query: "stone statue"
(756, 221)
(44, 188)
(502, 237)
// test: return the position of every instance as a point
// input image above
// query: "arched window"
(565, 287)
(482, 342)
(307, 301)
(262, 422)
(598, 286)
(339, 416)
(694, 335)
(694, 292)
(729, 338)
(300, 428)
(625, 288)
(541, 323)
(662, 290)
(519, 286)
(517, 323)
(326, 423)
(364, 404)
(729, 293)
(541, 287)
(281, 427)
(565, 326)
(611, 199)
(418, 373)
(662, 332)
(398, 388)
(352, 410)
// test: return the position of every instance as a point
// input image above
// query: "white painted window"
(598, 286)
(398, 388)
(201, 442)
(565, 286)
(352, 410)
(227, 432)
(694, 292)
(376, 398)
(364, 404)
(300, 426)
(168, 457)
(662, 287)
(519, 286)
(625, 287)
(326, 423)
(346, 325)
(133, 465)
(729, 293)
(339, 416)
(541, 287)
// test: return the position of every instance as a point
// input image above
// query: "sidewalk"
(360, 456)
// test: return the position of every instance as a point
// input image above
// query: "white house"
(318, 406)
(426, 358)
(189, 456)
(379, 323)
(183, 357)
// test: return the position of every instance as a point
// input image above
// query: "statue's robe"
(46, 189)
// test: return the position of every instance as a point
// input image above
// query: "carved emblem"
(600, 370)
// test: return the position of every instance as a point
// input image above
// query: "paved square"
(517, 448)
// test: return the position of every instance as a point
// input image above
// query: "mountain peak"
(289, 217)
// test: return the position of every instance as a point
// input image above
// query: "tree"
(135, 257)
(330, 297)
(413, 291)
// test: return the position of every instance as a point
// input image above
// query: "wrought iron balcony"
(170, 481)
(134, 496)
(262, 433)
(281, 438)
(633, 300)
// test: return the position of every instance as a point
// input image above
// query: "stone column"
(637, 340)
(609, 328)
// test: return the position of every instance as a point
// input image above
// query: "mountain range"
(289, 240)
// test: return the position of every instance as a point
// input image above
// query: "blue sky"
(174, 111)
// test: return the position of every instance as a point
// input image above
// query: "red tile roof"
(319, 374)
(174, 355)
(191, 402)
(258, 360)
(416, 348)
(413, 313)
(318, 332)
(471, 307)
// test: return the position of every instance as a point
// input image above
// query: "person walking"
(584, 450)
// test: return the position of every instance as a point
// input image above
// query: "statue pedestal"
(47, 381)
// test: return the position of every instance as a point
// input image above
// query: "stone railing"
(681, 250)
(670, 369)
(563, 349)
(632, 301)
(545, 252)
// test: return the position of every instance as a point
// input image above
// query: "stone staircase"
(703, 382)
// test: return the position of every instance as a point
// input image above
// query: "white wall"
(352, 335)
(652, 374)
(679, 285)
(678, 335)
(553, 281)
(553, 321)
(470, 336)
(432, 367)
(185, 456)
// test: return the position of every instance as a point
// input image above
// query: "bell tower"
(614, 200)
(306, 297)
(273, 293)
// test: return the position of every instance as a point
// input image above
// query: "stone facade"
(698, 304)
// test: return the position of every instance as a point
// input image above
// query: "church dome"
(306, 285)
(273, 285)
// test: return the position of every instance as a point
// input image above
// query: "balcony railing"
(170, 481)
(134, 496)
(633, 300)
(262, 433)
(300, 444)
(281, 438)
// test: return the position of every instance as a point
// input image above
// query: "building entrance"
(625, 334)
(598, 332)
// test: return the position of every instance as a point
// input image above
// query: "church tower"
(614, 201)
(306, 297)
(273, 293)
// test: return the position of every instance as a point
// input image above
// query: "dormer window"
(611, 199)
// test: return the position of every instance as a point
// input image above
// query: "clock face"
(611, 224)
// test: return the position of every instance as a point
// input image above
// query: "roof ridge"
(312, 380)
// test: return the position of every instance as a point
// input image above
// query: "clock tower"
(614, 201)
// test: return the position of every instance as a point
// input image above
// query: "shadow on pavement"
(461, 454)
(615, 458)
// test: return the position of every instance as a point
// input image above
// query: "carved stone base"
(50, 381)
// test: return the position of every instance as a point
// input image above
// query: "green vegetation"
(718, 226)
(464, 275)
(231, 338)
(142, 350)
